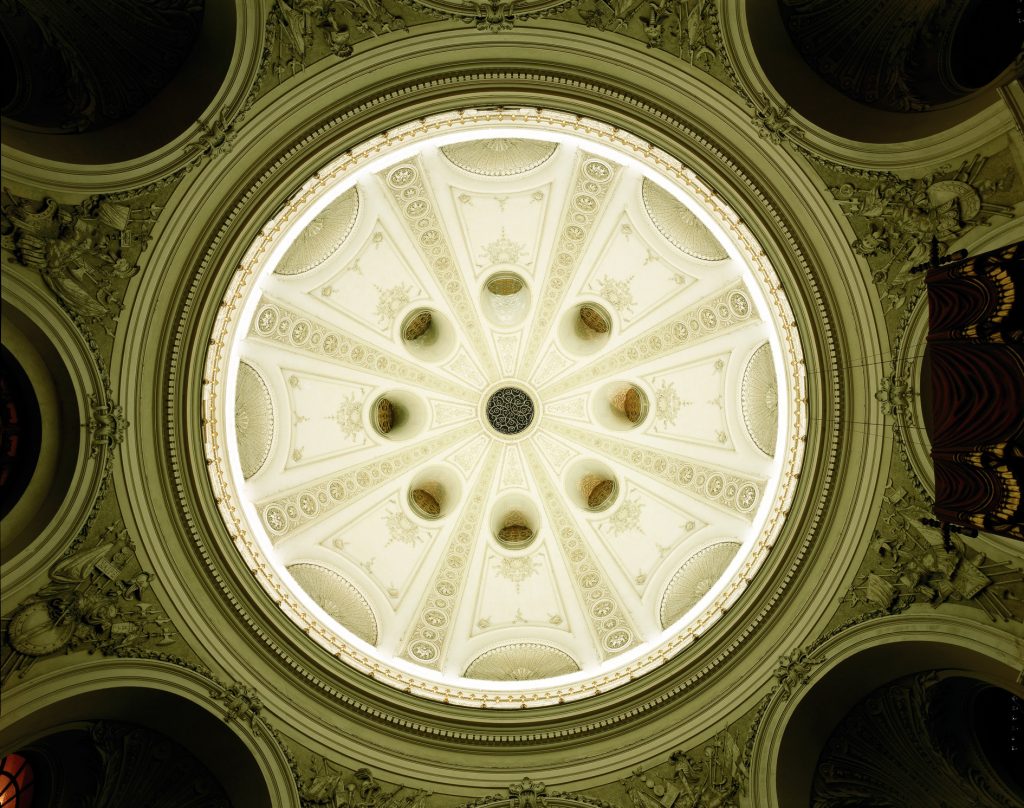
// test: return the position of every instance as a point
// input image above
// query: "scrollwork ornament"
(712, 773)
(302, 32)
(324, 785)
(773, 122)
(98, 599)
(493, 15)
(86, 253)
(107, 425)
(530, 793)
(689, 31)
(896, 219)
(240, 703)
(910, 565)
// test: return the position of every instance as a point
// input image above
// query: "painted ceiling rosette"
(510, 432)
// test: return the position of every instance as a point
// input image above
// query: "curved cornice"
(29, 708)
(173, 313)
(937, 136)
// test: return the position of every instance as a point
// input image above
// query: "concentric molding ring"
(361, 698)
(760, 282)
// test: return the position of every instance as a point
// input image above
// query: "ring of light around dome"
(578, 608)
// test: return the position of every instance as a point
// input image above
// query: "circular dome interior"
(504, 408)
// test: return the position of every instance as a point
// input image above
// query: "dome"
(446, 404)
(512, 378)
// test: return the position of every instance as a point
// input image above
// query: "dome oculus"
(486, 484)
(509, 410)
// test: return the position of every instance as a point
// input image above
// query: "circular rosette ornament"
(509, 410)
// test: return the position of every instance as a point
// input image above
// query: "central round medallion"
(509, 410)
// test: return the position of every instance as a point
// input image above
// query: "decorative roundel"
(491, 424)
(509, 410)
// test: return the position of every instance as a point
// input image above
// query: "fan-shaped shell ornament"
(499, 157)
(679, 225)
(521, 662)
(694, 578)
(322, 237)
(254, 419)
(759, 396)
(338, 597)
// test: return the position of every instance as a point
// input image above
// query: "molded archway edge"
(69, 475)
(769, 64)
(149, 146)
(849, 666)
(176, 701)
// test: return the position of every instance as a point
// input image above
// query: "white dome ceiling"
(563, 474)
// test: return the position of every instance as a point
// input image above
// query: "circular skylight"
(504, 408)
